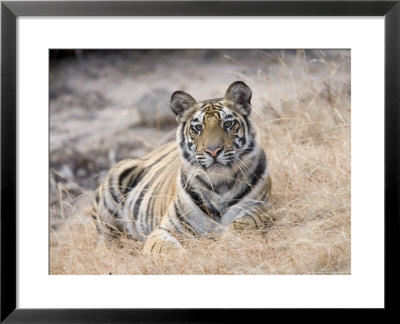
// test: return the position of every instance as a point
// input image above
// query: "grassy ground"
(301, 103)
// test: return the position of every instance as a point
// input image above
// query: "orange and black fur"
(213, 178)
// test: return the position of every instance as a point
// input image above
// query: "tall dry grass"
(304, 126)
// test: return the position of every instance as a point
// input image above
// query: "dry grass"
(306, 134)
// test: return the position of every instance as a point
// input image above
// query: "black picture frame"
(11, 10)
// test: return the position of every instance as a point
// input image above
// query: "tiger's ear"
(239, 94)
(181, 102)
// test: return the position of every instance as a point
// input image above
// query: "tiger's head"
(215, 133)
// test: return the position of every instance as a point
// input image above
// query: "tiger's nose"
(214, 151)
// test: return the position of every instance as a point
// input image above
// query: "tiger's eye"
(199, 128)
(228, 124)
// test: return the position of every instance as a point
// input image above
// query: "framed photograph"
(208, 150)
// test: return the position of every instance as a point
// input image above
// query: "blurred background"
(107, 105)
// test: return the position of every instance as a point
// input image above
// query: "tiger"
(214, 178)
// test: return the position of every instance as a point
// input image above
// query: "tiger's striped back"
(137, 192)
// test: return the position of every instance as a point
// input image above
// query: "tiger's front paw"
(160, 243)
(164, 251)
(246, 223)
